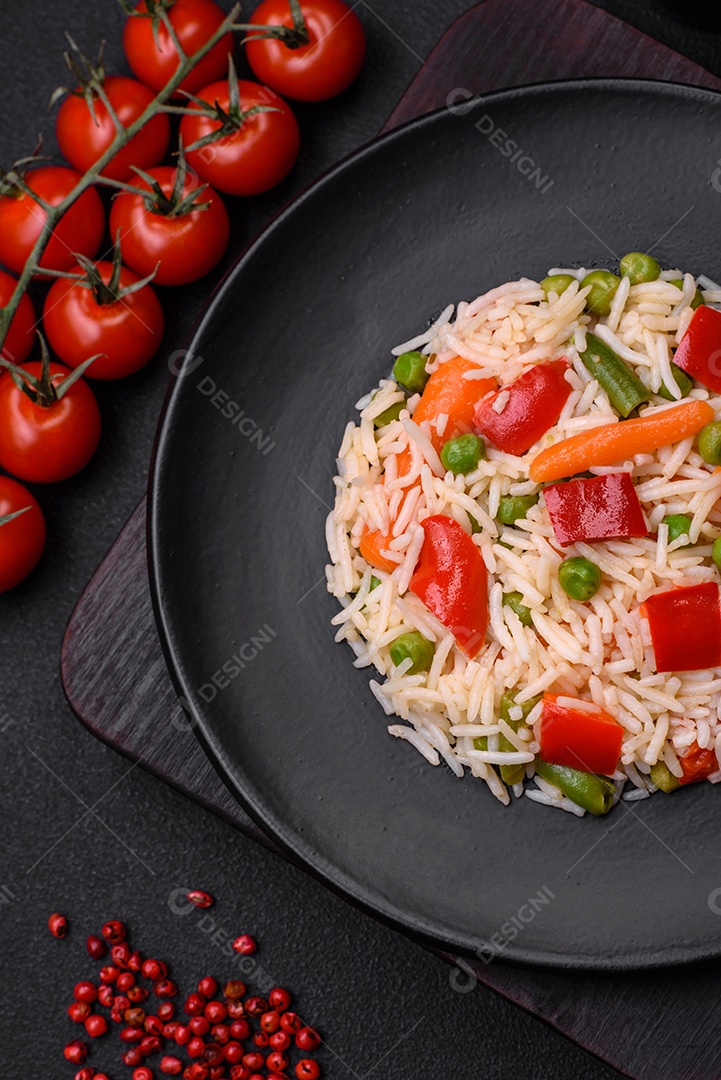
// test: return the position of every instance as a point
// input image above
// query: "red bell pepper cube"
(589, 741)
(534, 404)
(685, 627)
(599, 508)
(450, 579)
(698, 764)
(699, 353)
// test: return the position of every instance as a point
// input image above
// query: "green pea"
(389, 414)
(683, 381)
(415, 646)
(513, 507)
(375, 582)
(514, 600)
(697, 296)
(678, 524)
(557, 283)
(603, 289)
(580, 578)
(709, 443)
(475, 527)
(410, 371)
(638, 267)
(663, 778)
(716, 552)
(462, 454)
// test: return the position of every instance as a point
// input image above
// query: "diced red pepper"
(534, 404)
(697, 765)
(599, 508)
(450, 579)
(589, 741)
(699, 353)
(685, 627)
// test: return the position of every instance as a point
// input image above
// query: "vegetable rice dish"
(526, 536)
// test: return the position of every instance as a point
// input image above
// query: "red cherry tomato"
(21, 540)
(187, 246)
(316, 71)
(45, 444)
(21, 220)
(83, 138)
(128, 330)
(255, 156)
(155, 62)
(20, 337)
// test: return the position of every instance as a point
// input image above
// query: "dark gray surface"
(364, 985)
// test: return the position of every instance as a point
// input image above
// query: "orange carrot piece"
(448, 392)
(371, 545)
(615, 443)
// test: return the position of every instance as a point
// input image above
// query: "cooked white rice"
(599, 651)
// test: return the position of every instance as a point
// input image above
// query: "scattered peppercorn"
(200, 898)
(58, 925)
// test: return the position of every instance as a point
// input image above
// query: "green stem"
(122, 138)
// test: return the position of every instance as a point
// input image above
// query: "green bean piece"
(511, 508)
(410, 371)
(557, 283)
(508, 702)
(579, 578)
(513, 774)
(709, 443)
(375, 582)
(638, 267)
(683, 381)
(603, 289)
(678, 524)
(624, 388)
(589, 791)
(415, 646)
(514, 600)
(663, 778)
(698, 299)
(388, 415)
(462, 454)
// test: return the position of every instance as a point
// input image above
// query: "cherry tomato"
(21, 540)
(155, 62)
(45, 444)
(21, 220)
(186, 246)
(84, 138)
(20, 337)
(128, 330)
(255, 156)
(316, 71)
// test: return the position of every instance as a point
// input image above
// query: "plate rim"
(361, 894)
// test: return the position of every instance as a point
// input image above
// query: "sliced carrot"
(371, 545)
(448, 392)
(615, 443)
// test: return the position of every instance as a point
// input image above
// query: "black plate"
(440, 210)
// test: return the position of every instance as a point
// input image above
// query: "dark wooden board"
(658, 1026)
